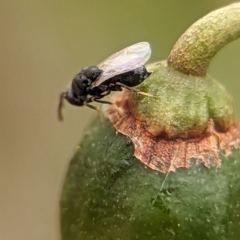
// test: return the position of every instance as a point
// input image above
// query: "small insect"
(124, 69)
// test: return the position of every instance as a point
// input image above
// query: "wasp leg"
(103, 94)
(134, 90)
(97, 99)
(100, 101)
(94, 99)
(86, 103)
(91, 106)
(60, 105)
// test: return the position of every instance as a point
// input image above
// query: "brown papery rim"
(165, 155)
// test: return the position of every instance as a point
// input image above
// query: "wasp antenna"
(60, 105)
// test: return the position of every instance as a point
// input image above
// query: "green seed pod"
(165, 166)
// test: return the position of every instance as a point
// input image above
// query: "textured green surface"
(183, 103)
(109, 194)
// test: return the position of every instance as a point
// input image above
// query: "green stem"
(194, 50)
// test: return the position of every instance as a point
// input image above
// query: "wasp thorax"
(92, 72)
(188, 117)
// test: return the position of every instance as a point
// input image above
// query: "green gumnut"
(110, 194)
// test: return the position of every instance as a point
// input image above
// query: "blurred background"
(43, 45)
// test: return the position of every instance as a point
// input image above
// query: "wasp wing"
(123, 61)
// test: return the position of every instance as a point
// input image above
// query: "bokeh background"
(43, 44)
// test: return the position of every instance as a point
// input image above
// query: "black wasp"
(124, 69)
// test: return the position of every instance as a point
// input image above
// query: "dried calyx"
(191, 119)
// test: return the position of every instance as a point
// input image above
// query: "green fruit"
(172, 172)
(109, 194)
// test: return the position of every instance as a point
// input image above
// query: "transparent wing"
(123, 61)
